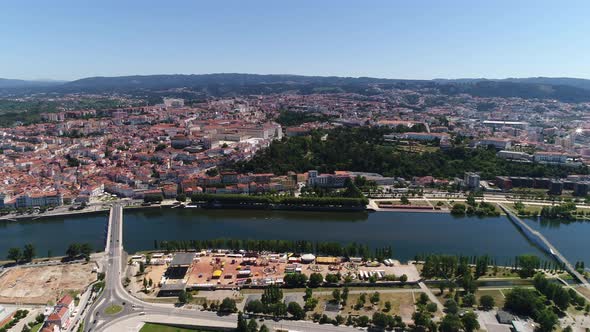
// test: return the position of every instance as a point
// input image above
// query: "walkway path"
(431, 296)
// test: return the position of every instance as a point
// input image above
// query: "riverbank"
(15, 218)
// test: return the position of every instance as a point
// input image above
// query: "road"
(136, 311)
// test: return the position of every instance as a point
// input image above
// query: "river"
(408, 233)
(571, 239)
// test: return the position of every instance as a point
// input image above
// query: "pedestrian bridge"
(544, 244)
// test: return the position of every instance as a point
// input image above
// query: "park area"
(44, 284)
(399, 302)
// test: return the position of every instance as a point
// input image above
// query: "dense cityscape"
(171, 148)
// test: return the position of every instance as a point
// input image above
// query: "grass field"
(498, 296)
(401, 304)
(149, 327)
(113, 309)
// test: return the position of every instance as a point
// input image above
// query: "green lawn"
(149, 327)
(113, 309)
(499, 296)
(37, 327)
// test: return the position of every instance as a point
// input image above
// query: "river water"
(407, 233)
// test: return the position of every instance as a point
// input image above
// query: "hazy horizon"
(68, 40)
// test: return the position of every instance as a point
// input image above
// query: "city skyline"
(425, 40)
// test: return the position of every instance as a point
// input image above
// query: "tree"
(182, 297)
(254, 306)
(423, 298)
(451, 323)
(14, 254)
(212, 172)
(458, 209)
(380, 319)
(272, 294)
(468, 300)
(296, 311)
(344, 295)
(360, 302)
(524, 301)
(315, 280)
(431, 307)
(263, 328)
(403, 278)
(470, 322)
(467, 282)
(487, 302)
(547, 320)
(228, 306)
(331, 278)
(387, 306)
(527, 264)
(252, 325)
(242, 324)
(28, 252)
(73, 250)
(86, 250)
(481, 266)
(404, 200)
(561, 298)
(375, 297)
(421, 318)
(181, 197)
(295, 279)
(373, 279)
(451, 307)
(471, 200)
(362, 321)
(336, 295)
(278, 309)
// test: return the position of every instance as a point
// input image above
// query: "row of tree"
(27, 254)
(299, 247)
(265, 200)
(561, 211)
(449, 266)
(75, 250)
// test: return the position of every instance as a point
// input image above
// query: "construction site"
(44, 284)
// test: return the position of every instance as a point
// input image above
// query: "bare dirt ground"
(43, 284)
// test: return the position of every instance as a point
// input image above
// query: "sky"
(412, 39)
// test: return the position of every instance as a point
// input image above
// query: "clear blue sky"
(391, 38)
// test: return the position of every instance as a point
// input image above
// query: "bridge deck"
(529, 231)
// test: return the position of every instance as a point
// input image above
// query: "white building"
(173, 102)
(472, 180)
(39, 199)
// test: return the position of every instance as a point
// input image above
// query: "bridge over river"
(544, 244)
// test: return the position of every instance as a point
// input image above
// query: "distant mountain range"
(12, 83)
(574, 82)
(561, 88)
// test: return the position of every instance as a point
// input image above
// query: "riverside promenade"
(544, 244)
